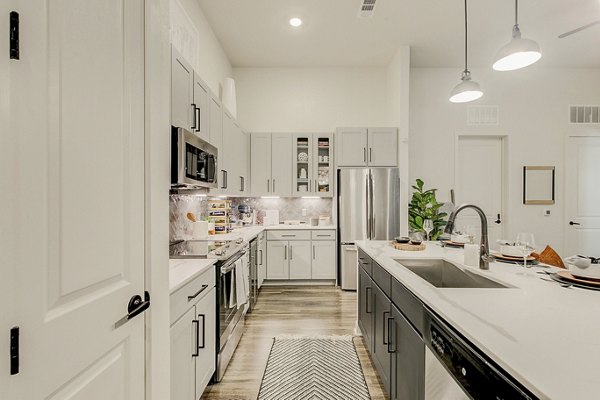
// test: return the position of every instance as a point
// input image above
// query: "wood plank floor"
(323, 310)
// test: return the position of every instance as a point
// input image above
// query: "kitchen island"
(545, 336)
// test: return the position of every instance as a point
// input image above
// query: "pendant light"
(519, 52)
(467, 90)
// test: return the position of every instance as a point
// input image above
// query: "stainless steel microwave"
(193, 161)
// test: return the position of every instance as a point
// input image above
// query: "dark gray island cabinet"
(391, 320)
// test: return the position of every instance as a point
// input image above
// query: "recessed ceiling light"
(295, 22)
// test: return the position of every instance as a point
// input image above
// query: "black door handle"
(498, 220)
(135, 307)
(574, 223)
(197, 350)
(197, 118)
(194, 125)
(390, 349)
(384, 327)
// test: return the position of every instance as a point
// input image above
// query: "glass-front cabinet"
(313, 164)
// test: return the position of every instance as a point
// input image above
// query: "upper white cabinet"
(233, 159)
(270, 164)
(383, 147)
(215, 121)
(313, 165)
(361, 147)
(201, 107)
(182, 92)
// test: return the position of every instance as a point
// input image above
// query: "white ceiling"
(255, 33)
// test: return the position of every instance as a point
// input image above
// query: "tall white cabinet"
(361, 147)
(270, 164)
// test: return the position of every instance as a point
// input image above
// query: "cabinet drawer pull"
(291, 252)
(288, 235)
(367, 302)
(285, 252)
(384, 327)
(370, 154)
(313, 251)
(203, 345)
(364, 154)
(202, 289)
(197, 349)
(390, 349)
(194, 125)
(323, 235)
(197, 116)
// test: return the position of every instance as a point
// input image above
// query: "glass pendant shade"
(466, 91)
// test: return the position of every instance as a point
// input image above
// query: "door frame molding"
(157, 95)
(505, 144)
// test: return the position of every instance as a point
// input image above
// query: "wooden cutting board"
(408, 246)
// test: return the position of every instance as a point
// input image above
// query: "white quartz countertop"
(182, 271)
(546, 336)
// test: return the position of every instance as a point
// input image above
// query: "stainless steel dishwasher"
(456, 370)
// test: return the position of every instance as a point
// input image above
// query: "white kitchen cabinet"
(201, 106)
(382, 147)
(361, 147)
(323, 259)
(260, 163)
(277, 260)
(301, 254)
(351, 147)
(270, 164)
(262, 259)
(300, 259)
(215, 123)
(313, 165)
(182, 92)
(205, 361)
(193, 336)
(183, 365)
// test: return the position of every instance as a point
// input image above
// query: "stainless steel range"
(233, 257)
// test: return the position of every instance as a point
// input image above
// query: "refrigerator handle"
(371, 212)
(368, 213)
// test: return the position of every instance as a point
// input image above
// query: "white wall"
(310, 99)
(533, 114)
(193, 37)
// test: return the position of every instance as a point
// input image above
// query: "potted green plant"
(422, 206)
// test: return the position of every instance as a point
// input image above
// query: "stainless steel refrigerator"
(368, 208)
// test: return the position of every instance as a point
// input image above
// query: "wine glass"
(428, 227)
(525, 243)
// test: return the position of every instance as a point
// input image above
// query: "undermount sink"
(443, 274)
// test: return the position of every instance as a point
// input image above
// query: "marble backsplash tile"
(289, 209)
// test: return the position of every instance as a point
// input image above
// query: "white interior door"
(583, 196)
(76, 158)
(479, 167)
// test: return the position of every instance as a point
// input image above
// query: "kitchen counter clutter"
(544, 335)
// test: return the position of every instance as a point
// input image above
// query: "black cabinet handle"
(197, 116)
(384, 327)
(574, 223)
(197, 323)
(367, 302)
(261, 259)
(194, 125)
(390, 349)
(202, 289)
(135, 307)
(203, 331)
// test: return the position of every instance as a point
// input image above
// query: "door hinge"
(14, 350)
(14, 35)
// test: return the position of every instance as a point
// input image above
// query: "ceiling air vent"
(584, 114)
(367, 9)
(483, 115)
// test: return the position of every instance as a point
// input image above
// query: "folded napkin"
(550, 257)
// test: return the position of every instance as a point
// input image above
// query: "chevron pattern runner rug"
(320, 367)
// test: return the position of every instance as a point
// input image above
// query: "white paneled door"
(478, 180)
(582, 196)
(73, 159)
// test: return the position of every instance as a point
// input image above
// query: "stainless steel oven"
(193, 161)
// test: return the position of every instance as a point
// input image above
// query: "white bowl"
(510, 251)
(583, 267)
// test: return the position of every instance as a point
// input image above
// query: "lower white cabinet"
(262, 259)
(301, 255)
(193, 337)
(300, 259)
(323, 259)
